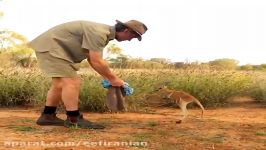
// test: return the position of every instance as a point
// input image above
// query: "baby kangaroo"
(181, 99)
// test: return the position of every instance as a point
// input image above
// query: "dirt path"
(236, 127)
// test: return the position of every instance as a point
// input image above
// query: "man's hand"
(101, 66)
(117, 82)
(127, 89)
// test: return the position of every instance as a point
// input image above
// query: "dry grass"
(21, 86)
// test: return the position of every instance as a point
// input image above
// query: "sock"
(74, 113)
(49, 109)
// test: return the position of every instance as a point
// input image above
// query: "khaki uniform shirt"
(67, 41)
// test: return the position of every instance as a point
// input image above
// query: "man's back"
(68, 40)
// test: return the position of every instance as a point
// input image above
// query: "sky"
(179, 30)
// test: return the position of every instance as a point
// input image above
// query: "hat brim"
(139, 37)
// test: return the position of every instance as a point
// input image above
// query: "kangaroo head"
(164, 92)
(162, 88)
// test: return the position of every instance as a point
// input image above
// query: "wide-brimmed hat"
(136, 26)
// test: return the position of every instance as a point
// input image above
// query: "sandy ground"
(242, 126)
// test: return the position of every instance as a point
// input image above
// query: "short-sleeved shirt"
(68, 41)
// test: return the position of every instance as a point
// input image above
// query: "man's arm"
(95, 59)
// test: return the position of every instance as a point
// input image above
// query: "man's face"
(126, 35)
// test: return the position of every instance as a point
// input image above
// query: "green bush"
(258, 88)
(93, 95)
(212, 88)
(19, 87)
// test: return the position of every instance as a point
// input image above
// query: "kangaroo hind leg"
(183, 107)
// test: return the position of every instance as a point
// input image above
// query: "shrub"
(212, 88)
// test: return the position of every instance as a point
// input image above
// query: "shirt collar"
(112, 33)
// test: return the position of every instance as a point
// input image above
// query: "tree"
(224, 64)
(115, 56)
(9, 39)
(114, 49)
(16, 44)
(119, 62)
(246, 67)
(24, 56)
(161, 60)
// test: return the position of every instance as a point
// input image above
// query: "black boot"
(50, 119)
(80, 122)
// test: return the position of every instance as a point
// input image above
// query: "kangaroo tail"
(200, 105)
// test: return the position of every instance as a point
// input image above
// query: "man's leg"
(48, 116)
(54, 95)
(70, 96)
(66, 87)
(70, 92)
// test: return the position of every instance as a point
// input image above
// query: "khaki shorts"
(56, 67)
